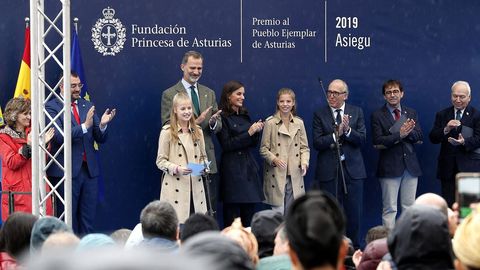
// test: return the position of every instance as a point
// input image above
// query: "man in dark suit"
(87, 129)
(395, 130)
(457, 129)
(205, 109)
(351, 135)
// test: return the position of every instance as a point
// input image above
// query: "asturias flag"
(23, 82)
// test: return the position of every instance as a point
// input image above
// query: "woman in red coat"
(15, 153)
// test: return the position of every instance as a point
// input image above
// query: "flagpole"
(75, 24)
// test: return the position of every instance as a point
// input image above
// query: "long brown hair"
(177, 99)
(287, 91)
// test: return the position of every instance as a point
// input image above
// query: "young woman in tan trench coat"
(285, 150)
(182, 142)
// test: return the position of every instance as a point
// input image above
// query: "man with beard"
(206, 112)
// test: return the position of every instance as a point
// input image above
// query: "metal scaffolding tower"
(50, 48)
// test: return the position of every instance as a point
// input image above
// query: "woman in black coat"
(241, 186)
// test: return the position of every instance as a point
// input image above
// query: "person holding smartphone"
(241, 186)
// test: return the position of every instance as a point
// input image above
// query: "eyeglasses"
(74, 85)
(392, 92)
(335, 94)
(461, 97)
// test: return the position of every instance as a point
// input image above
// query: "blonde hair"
(466, 243)
(194, 130)
(287, 91)
(244, 237)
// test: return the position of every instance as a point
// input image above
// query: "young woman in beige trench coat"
(182, 142)
(286, 153)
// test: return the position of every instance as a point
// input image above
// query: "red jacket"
(16, 171)
(7, 262)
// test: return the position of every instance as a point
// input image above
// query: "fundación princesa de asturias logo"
(108, 33)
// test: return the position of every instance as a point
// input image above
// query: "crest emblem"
(108, 33)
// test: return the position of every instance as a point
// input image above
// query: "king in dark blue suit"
(351, 131)
(87, 129)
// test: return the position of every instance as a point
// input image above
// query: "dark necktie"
(338, 118)
(196, 104)
(458, 115)
(397, 114)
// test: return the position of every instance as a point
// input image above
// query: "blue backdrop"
(426, 44)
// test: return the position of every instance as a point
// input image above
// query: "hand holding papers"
(198, 169)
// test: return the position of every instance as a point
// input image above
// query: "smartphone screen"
(468, 191)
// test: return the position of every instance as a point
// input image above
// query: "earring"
(13, 118)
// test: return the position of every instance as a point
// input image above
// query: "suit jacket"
(396, 154)
(462, 156)
(206, 97)
(324, 143)
(80, 142)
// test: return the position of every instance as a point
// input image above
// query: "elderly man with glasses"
(395, 131)
(341, 171)
(457, 130)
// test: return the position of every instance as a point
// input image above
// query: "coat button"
(273, 186)
(278, 133)
(296, 144)
(176, 190)
(179, 143)
(273, 175)
(301, 186)
(166, 183)
(267, 170)
(199, 179)
(299, 166)
(179, 155)
(176, 202)
(178, 178)
(296, 155)
(239, 152)
(195, 156)
(277, 154)
(195, 144)
(278, 144)
(201, 202)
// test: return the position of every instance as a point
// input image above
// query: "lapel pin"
(467, 113)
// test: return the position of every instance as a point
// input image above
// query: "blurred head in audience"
(420, 240)
(60, 241)
(315, 226)
(225, 252)
(244, 238)
(159, 219)
(434, 200)
(95, 241)
(281, 241)
(198, 223)
(42, 230)
(264, 225)
(377, 232)
(17, 231)
(120, 236)
(466, 243)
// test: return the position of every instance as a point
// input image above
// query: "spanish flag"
(23, 82)
(1, 117)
